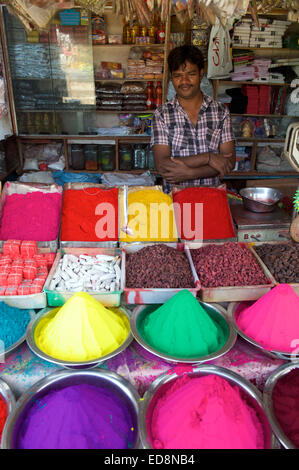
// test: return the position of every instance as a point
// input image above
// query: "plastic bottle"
(158, 95)
(149, 91)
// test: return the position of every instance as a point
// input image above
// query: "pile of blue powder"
(13, 324)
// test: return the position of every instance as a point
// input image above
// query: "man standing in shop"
(192, 138)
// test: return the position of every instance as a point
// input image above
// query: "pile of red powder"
(3, 414)
(31, 216)
(90, 214)
(217, 220)
(286, 404)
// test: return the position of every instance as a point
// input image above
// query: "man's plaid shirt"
(172, 126)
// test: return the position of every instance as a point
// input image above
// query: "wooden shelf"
(234, 82)
(256, 175)
(256, 139)
(129, 45)
(274, 49)
(112, 80)
(265, 115)
(96, 110)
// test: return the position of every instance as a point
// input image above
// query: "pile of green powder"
(181, 327)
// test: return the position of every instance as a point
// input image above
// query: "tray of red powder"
(277, 259)
(85, 222)
(57, 298)
(229, 271)
(280, 396)
(31, 211)
(157, 295)
(217, 223)
(7, 403)
(211, 397)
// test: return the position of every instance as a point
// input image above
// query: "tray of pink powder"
(31, 212)
(271, 323)
(207, 407)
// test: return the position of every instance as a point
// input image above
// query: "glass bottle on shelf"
(91, 157)
(127, 34)
(134, 33)
(107, 157)
(46, 123)
(77, 154)
(150, 159)
(139, 157)
(125, 157)
(161, 33)
(38, 123)
(30, 124)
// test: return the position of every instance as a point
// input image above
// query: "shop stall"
(145, 320)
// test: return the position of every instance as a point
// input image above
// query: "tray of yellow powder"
(80, 334)
(183, 330)
(146, 214)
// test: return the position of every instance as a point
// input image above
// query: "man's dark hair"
(179, 55)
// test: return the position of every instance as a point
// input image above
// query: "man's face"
(186, 80)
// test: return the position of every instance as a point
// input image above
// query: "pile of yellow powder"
(150, 216)
(81, 330)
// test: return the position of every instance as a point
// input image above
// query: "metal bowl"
(253, 396)
(267, 397)
(15, 345)
(260, 199)
(8, 395)
(61, 379)
(285, 356)
(216, 312)
(72, 364)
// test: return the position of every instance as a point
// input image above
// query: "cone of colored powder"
(273, 320)
(204, 412)
(182, 328)
(81, 330)
(286, 404)
(81, 416)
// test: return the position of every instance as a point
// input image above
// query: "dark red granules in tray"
(227, 264)
(158, 266)
(217, 220)
(79, 218)
(286, 404)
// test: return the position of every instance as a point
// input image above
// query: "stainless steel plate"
(252, 394)
(267, 398)
(69, 364)
(286, 356)
(64, 378)
(215, 311)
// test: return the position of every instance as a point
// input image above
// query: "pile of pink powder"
(273, 320)
(31, 216)
(204, 412)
